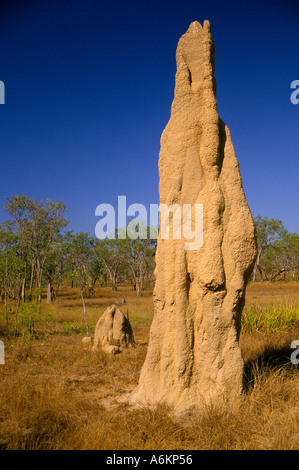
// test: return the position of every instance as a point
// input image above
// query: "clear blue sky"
(89, 85)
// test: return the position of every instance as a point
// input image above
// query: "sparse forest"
(37, 252)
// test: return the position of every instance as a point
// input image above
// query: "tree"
(38, 224)
(268, 232)
(80, 248)
(139, 253)
(283, 256)
(56, 267)
(111, 252)
(11, 269)
(17, 207)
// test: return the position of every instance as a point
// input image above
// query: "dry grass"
(264, 293)
(53, 391)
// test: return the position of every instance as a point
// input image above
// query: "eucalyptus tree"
(18, 209)
(139, 254)
(11, 270)
(283, 257)
(112, 255)
(37, 224)
(80, 251)
(56, 267)
(268, 232)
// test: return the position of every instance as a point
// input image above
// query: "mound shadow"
(271, 359)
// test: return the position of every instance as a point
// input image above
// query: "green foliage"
(80, 254)
(284, 255)
(36, 226)
(271, 319)
(268, 231)
(28, 315)
(76, 327)
(278, 250)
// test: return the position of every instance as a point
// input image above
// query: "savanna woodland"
(58, 394)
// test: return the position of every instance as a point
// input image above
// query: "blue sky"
(89, 86)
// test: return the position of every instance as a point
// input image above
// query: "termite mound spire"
(193, 356)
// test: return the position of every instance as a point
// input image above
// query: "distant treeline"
(36, 251)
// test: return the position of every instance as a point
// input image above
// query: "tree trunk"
(257, 264)
(138, 290)
(254, 272)
(277, 274)
(261, 273)
(114, 281)
(49, 293)
(39, 278)
(39, 291)
(84, 311)
(31, 281)
(23, 290)
(17, 311)
(6, 311)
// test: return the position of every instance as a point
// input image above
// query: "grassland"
(55, 393)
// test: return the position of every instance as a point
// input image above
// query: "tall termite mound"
(193, 355)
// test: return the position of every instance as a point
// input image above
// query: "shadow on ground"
(273, 358)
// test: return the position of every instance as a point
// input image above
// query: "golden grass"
(53, 391)
(264, 293)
